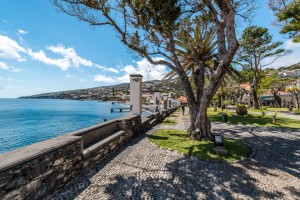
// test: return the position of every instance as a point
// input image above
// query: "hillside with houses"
(114, 92)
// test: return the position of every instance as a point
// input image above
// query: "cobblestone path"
(141, 170)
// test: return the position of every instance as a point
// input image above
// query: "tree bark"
(219, 100)
(277, 98)
(254, 90)
(297, 101)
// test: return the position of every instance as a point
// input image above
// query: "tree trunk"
(204, 127)
(219, 100)
(297, 101)
(277, 98)
(193, 110)
(254, 92)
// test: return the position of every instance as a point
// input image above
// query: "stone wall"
(36, 171)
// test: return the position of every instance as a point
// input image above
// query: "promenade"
(141, 170)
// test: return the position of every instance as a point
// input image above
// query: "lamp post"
(157, 101)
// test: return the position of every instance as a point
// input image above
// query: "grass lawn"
(178, 140)
(254, 120)
(268, 108)
(169, 121)
(297, 112)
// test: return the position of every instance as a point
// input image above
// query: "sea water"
(27, 121)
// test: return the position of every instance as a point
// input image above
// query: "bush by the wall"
(241, 109)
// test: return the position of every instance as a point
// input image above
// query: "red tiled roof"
(182, 99)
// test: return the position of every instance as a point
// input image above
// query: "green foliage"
(169, 121)
(256, 44)
(246, 74)
(197, 38)
(226, 102)
(162, 13)
(241, 109)
(178, 140)
(263, 113)
(297, 112)
(290, 15)
(215, 98)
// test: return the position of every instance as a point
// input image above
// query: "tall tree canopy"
(151, 28)
(288, 16)
(256, 45)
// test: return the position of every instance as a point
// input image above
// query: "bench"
(97, 145)
(230, 107)
(97, 133)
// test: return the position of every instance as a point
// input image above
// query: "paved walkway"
(141, 170)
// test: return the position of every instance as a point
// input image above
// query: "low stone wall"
(36, 171)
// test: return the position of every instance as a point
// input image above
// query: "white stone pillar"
(165, 98)
(157, 101)
(169, 103)
(136, 94)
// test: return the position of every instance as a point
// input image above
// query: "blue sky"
(45, 51)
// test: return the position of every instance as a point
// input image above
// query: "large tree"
(151, 28)
(288, 17)
(295, 91)
(257, 45)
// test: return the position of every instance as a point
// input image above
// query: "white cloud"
(10, 79)
(148, 70)
(15, 69)
(145, 68)
(110, 69)
(69, 57)
(7, 79)
(10, 49)
(3, 65)
(23, 32)
(6, 22)
(70, 54)
(63, 63)
(287, 60)
(107, 69)
(104, 79)
(75, 77)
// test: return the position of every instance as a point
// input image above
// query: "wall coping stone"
(94, 127)
(22, 155)
(127, 117)
(16, 157)
(87, 152)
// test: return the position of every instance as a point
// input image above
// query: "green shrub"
(263, 113)
(297, 112)
(241, 109)
(226, 102)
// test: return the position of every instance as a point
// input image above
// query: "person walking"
(183, 109)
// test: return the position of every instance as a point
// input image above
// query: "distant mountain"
(291, 67)
(105, 93)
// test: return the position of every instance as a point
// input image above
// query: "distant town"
(118, 92)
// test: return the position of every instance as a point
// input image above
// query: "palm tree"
(196, 50)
